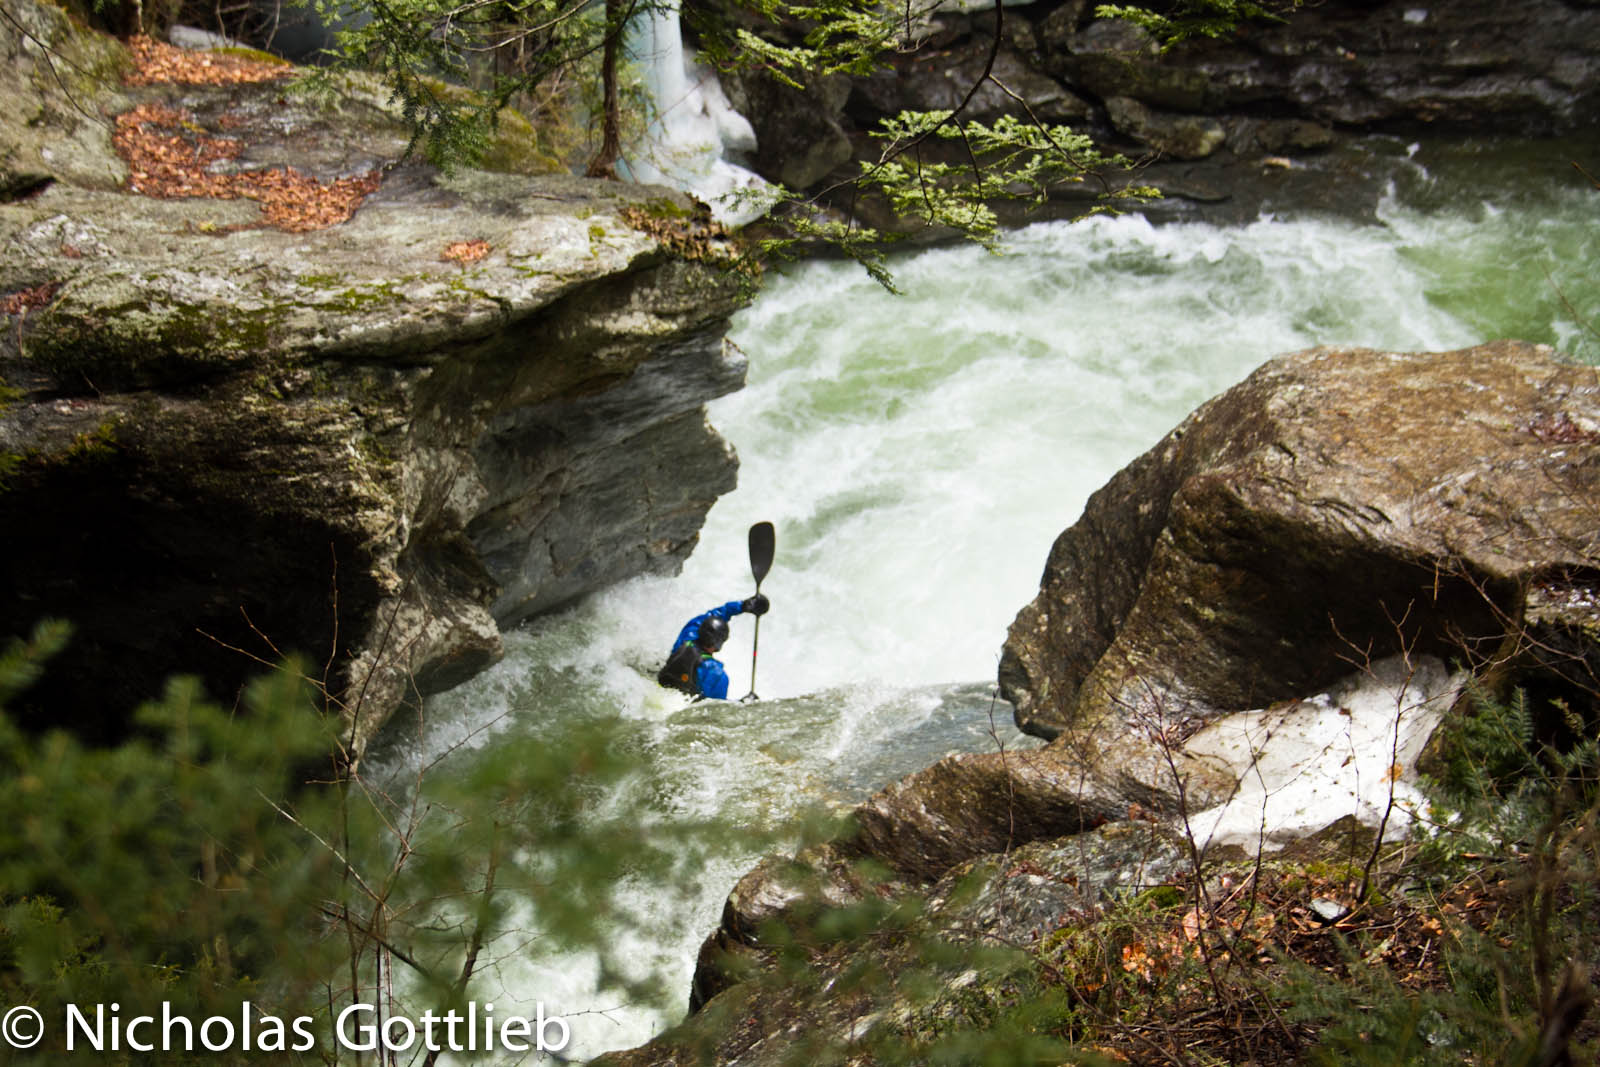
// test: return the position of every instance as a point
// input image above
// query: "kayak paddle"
(763, 542)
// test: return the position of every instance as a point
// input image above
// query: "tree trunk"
(604, 163)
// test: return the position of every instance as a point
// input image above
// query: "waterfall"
(693, 130)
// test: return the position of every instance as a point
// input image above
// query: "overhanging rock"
(1338, 506)
(223, 442)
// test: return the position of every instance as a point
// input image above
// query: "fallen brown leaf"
(156, 62)
(27, 299)
(465, 252)
(170, 157)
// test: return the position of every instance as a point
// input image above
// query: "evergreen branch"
(972, 91)
(1192, 18)
(23, 662)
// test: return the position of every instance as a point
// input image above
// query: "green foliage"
(22, 662)
(220, 857)
(1528, 808)
(937, 169)
(10, 463)
(844, 37)
(1489, 749)
(1365, 1015)
(806, 228)
(523, 843)
(1462, 956)
(1011, 159)
(1195, 18)
(1497, 784)
(154, 871)
(428, 52)
(1368, 1017)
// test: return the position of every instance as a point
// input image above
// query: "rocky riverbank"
(1278, 114)
(373, 443)
(1244, 645)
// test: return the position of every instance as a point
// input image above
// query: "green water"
(919, 453)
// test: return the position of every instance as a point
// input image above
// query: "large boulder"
(800, 134)
(1338, 506)
(1175, 136)
(1241, 646)
(376, 443)
(56, 80)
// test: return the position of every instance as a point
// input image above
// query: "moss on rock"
(130, 333)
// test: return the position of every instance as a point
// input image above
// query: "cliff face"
(375, 443)
(1261, 118)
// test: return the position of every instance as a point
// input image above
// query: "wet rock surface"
(1338, 506)
(227, 441)
(1272, 114)
(850, 996)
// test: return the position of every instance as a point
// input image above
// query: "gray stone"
(1178, 136)
(1353, 63)
(800, 133)
(198, 40)
(1214, 573)
(237, 442)
(1114, 37)
(58, 84)
(943, 86)
(1113, 58)
(1058, 31)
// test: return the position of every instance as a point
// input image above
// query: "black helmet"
(713, 634)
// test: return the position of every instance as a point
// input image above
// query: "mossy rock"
(518, 148)
(254, 55)
(140, 341)
(57, 77)
(514, 146)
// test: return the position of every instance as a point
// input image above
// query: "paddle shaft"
(755, 643)
(762, 543)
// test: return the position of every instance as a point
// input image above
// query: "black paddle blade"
(763, 542)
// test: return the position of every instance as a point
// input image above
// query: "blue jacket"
(710, 677)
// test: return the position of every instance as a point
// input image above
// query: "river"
(919, 453)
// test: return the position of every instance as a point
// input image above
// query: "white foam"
(918, 455)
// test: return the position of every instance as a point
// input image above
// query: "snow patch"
(1349, 751)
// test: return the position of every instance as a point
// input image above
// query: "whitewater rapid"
(919, 453)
